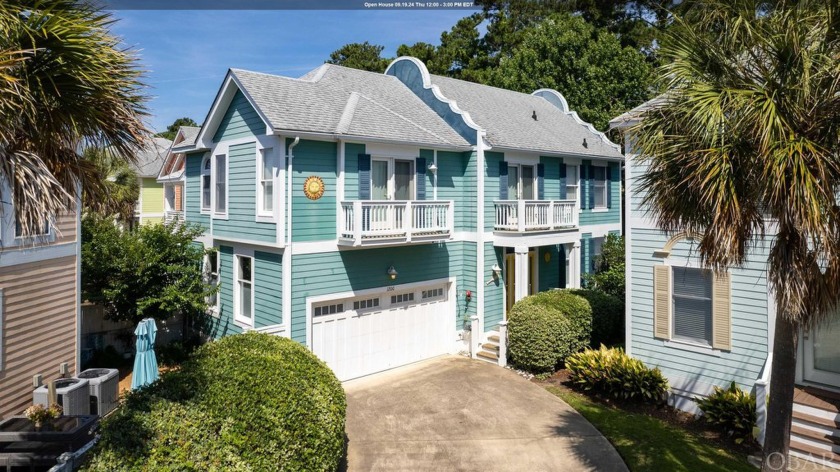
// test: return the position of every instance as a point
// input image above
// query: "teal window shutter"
(420, 163)
(562, 180)
(609, 172)
(503, 180)
(584, 269)
(591, 248)
(561, 258)
(590, 184)
(540, 182)
(364, 176)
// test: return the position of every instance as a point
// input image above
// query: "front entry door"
(822, 354)
(510, 277)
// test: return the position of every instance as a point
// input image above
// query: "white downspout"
(479, 272)
(287, 254)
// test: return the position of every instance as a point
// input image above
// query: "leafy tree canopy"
(599, 78)
(172, 129)
(609, 268)
(364, 56)
(154, 271)
(121, 188)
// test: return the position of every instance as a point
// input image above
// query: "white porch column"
(522, 272)
(574, 263)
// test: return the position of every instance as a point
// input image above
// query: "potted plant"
(40, 416)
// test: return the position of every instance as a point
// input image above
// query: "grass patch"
(650, 444)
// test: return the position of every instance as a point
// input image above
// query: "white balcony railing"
(379, 221)
(535, 215)
(171, 216)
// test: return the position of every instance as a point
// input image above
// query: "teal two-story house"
(372, 216)
(706, 330)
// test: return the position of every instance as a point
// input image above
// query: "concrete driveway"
(457, 414)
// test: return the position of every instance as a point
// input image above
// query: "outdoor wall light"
(392, 273)
(495, 273)
(433, 168)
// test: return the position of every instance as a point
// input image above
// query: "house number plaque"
(313, 187)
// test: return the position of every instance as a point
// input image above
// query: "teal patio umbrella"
(145, 363)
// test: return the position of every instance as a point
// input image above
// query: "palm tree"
(747, 142)
(65, 84)
(121, 187)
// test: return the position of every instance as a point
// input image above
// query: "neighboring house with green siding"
(706, 330)
(150, 205)
(381, 219)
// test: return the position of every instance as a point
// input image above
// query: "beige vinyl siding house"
(39, 302)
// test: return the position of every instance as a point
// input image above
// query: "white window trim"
(519, 163)
(213, 180)
(263, 216)
(576, 185)
(43, 238)
(392, 185)
(205, 173)
(685, 344)
(238, 319)
(214, 308)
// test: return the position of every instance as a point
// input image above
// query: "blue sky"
(186, 53)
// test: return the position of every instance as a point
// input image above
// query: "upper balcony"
(379, 222)
(535, 215)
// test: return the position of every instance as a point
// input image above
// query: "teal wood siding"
(549, 272)
(491, 187)
(192, 190)
(240, 120)
(586, 264)
(457, 182)
(268, 289)
(749, 316)
(314, 220)
(429, 155)
(613, 214)
(352, 270)
(351, 170)
(242, 199)
(552, 177)
(224, 325)
(494, 293)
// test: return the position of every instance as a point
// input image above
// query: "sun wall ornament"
(313, 187)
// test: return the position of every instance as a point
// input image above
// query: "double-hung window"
(692, 304)
(221, 183)
(392, 179)
(244, 309)
(266, 182)
(572, 182)
(599, 186)
(205, 184)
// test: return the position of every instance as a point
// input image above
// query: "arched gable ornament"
(666, 249)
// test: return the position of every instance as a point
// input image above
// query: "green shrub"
(610, 371)
(247, 402)
(731, 409)
(545, 328)
(607, 318)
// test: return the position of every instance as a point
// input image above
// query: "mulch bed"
(674, 417)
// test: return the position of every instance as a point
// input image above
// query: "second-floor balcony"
(376, 222)
(524, 216)
(173, 216)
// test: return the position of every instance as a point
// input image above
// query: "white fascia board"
(558, 154)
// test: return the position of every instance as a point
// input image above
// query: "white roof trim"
(220, 105)
(427, 84)
(558, 100)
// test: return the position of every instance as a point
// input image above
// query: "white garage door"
(367, 334)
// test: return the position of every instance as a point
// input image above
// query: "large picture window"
(244, 310)
(692, 304)
(221, 183)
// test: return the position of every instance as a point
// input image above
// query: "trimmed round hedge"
(607, 317)
(545, 328)
(247, 402)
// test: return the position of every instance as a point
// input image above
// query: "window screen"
(692, 298)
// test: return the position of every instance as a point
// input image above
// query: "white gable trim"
(224, 97)
(558, 100)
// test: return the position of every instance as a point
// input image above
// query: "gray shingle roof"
(150, 160)
(507, 117)
(189, 133)
(338, 100)
(633, 115)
